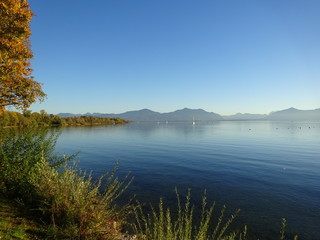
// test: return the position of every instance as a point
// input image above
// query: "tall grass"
(161, 224)
(75, 204)
(283, 230)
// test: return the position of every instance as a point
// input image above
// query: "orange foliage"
(17, 86)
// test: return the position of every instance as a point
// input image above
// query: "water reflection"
(268, 169)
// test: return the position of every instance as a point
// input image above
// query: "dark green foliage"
(16, 119)
(15, 222)
(19, 155)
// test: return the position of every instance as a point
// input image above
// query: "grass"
(161, 224)
(76, 205)
(15, 224)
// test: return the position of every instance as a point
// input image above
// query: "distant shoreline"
(186, 114)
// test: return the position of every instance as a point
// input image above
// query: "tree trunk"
(2, 109)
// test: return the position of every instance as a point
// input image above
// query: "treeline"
(28, 118)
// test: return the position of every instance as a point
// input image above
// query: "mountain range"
(148, 115)
(187, 114)
(296, 114)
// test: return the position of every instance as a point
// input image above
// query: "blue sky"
(225, 56)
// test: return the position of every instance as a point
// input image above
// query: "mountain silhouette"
(245, 116)
(295, 114)
(187, 114)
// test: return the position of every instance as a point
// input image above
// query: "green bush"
(76, 205)
(65, 198)
(19, 155)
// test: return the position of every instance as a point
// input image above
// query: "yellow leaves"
(17, 86)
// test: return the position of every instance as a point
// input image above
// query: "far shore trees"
(34, 119)
(17, 87)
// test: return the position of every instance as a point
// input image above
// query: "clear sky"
(224, 56)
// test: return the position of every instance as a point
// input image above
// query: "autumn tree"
(17, 86)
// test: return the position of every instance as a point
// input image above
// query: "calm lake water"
(270, 170)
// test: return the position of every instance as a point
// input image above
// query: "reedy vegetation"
(76, 205)
(161, 225)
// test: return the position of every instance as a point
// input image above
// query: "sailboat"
(193, 122)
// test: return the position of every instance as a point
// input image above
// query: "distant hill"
(187, 114)
(140, 115)
(64, 115)
(295, 114)
(245, 116)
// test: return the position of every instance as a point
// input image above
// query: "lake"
(269, 170)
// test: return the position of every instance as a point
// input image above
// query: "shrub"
(71, 203)
(19, 154)
(76, 205)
